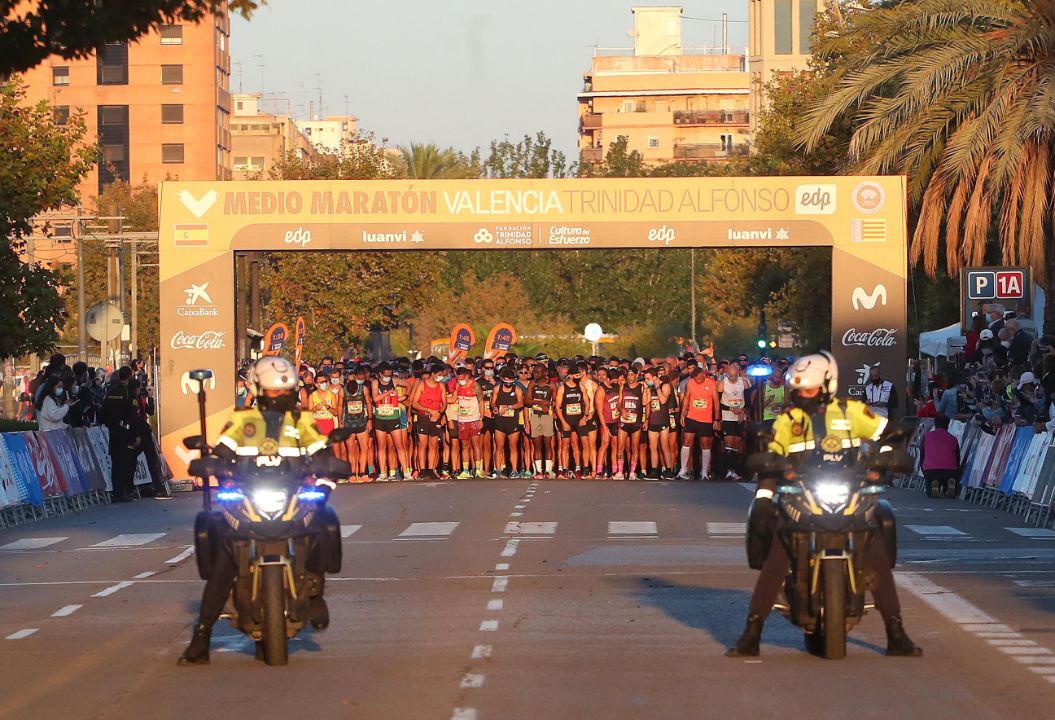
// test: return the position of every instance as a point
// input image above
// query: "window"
(113, 154)
(61, 114)
(238, 105)
(171, 34)
(172, 114)
(653, 141)
(240, 162)
(727, 143)
(112, 64)
(60, 75)
(628, 106)
(172, 153)
(807, 17)
(782, 27)
(113, 140)
(171, 74)
(257, 162)
(113, 114)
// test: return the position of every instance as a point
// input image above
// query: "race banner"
(462, 341)
(92, 470)
(300, 331)
(21, 464)
(274, 339)
(61, 453)
(502, 337)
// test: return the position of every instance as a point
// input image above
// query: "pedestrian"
(142, 409)
(940, 460)
(52, 405)
(25, 407)
(124, 442)
(880, 395)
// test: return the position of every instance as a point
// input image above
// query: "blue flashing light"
(311, 495)
(759, 370)
(230, 496)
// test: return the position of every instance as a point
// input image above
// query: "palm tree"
(428, 161)
(959, 95)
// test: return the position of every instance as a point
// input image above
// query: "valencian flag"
(300, 332)
(462, 341)
(275, 339)
(502, 337)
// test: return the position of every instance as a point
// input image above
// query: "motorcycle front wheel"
(833, 621)
(273, 600)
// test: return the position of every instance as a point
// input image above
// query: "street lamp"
(593, 333)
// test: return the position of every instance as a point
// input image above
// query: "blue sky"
(452, 72)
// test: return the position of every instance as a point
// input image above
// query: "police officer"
(812, 383)
(124, 440)
(277, 421)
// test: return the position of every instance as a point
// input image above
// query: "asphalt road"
(607, 600)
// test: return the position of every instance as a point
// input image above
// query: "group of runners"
(671, 418)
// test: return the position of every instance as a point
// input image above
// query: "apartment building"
(780, 39)
(263, 132)
(333, 134)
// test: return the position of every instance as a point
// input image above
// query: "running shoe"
(465, 475)
(705, 478)
(684, 476)
(633, 476)
(381, 477)
(395, 477)
(618, 476)
(493, 475)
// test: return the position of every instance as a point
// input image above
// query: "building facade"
(670, 102)
(780, 39)
(159, 106)
(261, 135)
(334, 134)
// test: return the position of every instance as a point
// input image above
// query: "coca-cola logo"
(880, 337)
(208, 340)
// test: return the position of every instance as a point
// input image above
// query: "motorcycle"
(828, 516)
(278, 529)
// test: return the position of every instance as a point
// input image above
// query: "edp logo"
(300, 236)
(815, 199)
(663, 234)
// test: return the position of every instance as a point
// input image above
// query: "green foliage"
(364, 161)
(77, 28)
(429, 162)
(618, 162)
(532, 157)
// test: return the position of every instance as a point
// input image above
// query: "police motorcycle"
(829, 512)
(279, 531)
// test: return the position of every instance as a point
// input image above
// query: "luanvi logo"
(861, 299)
(196, 206)
(189, 386)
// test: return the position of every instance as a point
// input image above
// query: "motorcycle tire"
(888, 529)
(205, 542)
(833, 620)
(273, 601)
(332, 550)
(814, 642)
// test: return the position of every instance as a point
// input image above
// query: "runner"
(323, 405)
(631, 397)
(773, 402)
(656, 399)
(389, 433)
(569, 404)
(486, 381)
(358, 409)
(540, 420)
(589, 427)
(428, 400)
(507, 400)
(469, 401)
(606, 402)
(732, 389)
(307, 386)
(698, 419)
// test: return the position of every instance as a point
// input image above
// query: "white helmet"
(273, 373)
(813, 371)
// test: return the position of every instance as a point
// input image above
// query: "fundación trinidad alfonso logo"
(483, 235)
(868, 197)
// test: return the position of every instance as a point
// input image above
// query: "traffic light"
(762, 343)
(763, 339)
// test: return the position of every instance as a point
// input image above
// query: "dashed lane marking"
(66, 610)
(531, 528)
(144, 575)
(129, 540)
(114, 588)
(500, 584)
(489, 626)
(481, 652)
(495, 604)
(429, 529)
(182, 556)
(21, 634)
(472, 680)
(628, 527)
(936, 530)
(1033, 533)
(501, 566)
(464, 714)
(32, 543)
(726, 528)
(510, 549)
(349, 530)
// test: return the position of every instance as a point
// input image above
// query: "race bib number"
(629, 418)
(388, 411)
(573, 409)
(509, 412)
(355, 408)
(699, 404)
(735, 404)
(654, 404)
(464, 410)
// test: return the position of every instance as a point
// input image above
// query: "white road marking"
(489, 626)
(1035, 583)
(1010, 642)
(494, 604)
(429, 529)
(472, 680)
(510, 549)
(519, 507)
(464, 714)
(349, 530)
(32, 543)
(948, 603)
(66, 610)
(481, 651)
(750, 487)
(531, 528)
(502, 566)
(1036, 659)
(627, 527)
(114, 588)
(182, 556)
(144, 575)
(935, 530)
(1034, 533)
(1004, 635)
(1024, 650)
(130, 540)
(985, 627)
(22, 634)
(500, 584)
(726, 528)
(516, 514)
(1043, 670)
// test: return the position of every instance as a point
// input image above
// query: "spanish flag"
(191, 235)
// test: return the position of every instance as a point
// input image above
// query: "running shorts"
(541, 425)
(699, 428)
(387, 425)
(507, 425)
(629, 429)
(732, 428)
(469, 430)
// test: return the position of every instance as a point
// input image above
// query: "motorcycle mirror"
(199, 375)
(194, 442)
(338, 435)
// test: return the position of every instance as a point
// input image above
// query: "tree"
(958, 96)
(428, 162)
(619, 161)
(364, 160)
(532, 157)
(30, 32)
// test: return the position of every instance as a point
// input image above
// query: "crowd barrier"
(1012, 469)
(51, 473)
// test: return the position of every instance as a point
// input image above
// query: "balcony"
(591, 121)
(712, 117)
(591, 155)
(700, 151)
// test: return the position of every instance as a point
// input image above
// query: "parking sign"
(1008, 286)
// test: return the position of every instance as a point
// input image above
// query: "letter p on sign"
(981, 285)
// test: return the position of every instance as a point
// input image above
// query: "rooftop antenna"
(318, 89)
(346, 104)
(238, 64)
(260, 64)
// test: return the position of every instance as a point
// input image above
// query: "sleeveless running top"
(487, 387)
(630, 400)
(773, 401)
(699, 397)
(657, 411)
(468, 403)
(431, 396)
(507, 398)
(354, 404)
(386, 404)
(610, 406)
(542, 391)
(572, 401)
(733, 397)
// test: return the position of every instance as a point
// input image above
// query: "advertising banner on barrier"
(62, 457)
(84, 454)
(21, 463)
(100, 439)
(8, 486)
(51, 481)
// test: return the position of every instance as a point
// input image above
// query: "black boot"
(898, 643)
(197, 653)
(318, 613)
(747, 645)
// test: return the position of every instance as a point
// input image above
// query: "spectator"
(52, 405)
(142, 409)
(949, 402)
(25, 407)
(1028, 404)
(80, 396)
(928, 408)
(1021, 343)
(973, 337)
(940, 460)
(880, 395)
(124, 441)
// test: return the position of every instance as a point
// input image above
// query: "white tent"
(935, 343)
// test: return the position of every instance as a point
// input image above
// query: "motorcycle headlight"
(270, 501)
(832, 494)
(311, 495)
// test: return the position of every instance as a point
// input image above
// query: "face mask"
(1006, 343)
(323, 386)
(443, 378)
(76, 389)
(463, 382)
(507, 383)
(651, 384)
(489, 372)
(59, 392)
(386, 378)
